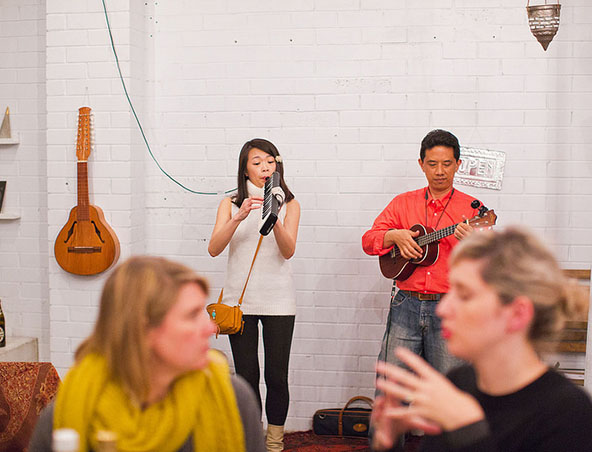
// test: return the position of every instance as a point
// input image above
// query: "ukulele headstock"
(83, 141)
(485, 220)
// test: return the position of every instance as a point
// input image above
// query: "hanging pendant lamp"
(543, 21)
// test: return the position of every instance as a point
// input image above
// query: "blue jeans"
(413, 324)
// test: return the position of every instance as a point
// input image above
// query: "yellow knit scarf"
(201, 403)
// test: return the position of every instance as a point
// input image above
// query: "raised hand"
(279, 194)
(252, 203)
(463, 230)
(386, 430)
(432, 399)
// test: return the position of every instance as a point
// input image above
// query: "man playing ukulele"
(412, 320)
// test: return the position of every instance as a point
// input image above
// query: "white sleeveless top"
(271, 289)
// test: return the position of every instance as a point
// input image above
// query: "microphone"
(476, 203)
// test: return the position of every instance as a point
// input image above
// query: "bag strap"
(368, 400)
(240, 300)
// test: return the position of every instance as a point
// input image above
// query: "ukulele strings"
(429, 238)
(434, 235)
(133, 110)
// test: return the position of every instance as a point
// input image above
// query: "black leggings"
(277, 340)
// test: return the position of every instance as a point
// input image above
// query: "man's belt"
(424, 296)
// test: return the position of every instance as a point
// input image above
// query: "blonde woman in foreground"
(146, 372)
(507, 293)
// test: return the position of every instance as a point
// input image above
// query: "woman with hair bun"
(507, 294)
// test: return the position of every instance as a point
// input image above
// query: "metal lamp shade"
(544, 22)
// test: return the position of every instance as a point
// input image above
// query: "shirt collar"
(442, 200)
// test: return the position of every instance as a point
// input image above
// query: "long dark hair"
(269, 148)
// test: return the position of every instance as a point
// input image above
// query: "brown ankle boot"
(274, 440)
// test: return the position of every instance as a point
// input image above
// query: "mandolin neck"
(436, 235)
(83, 211)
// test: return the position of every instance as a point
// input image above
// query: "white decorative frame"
(481, 168)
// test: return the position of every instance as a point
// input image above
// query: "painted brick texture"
(346, 89)
(23, 242)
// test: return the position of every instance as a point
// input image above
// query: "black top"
(550, 414)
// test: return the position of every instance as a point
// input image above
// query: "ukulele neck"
(437, 235)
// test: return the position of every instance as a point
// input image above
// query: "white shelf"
(20, 349)
(9, 216)
(13, 140)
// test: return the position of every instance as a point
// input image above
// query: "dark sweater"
(550, 414)
(247, 407)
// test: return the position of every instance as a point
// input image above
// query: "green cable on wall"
(138, 120)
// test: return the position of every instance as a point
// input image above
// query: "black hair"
(439, 137)
(269, 148)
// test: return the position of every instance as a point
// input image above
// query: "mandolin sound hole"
(70, 232)
(98, 232)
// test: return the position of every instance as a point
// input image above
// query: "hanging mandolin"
(86, 245)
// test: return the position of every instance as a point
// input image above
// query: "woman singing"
(507, 294)
(270, 295)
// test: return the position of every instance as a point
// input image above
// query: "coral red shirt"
(411, 208)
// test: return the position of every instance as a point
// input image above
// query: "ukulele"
(395, 266)
(86, 245)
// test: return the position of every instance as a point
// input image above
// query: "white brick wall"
(79, 54)
(346, 89)
(23, 242)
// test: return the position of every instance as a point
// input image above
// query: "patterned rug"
(309, 442)
(25, 389)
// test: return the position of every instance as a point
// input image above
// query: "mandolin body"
(86, 246)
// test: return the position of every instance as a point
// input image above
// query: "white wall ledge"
(20, 349)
